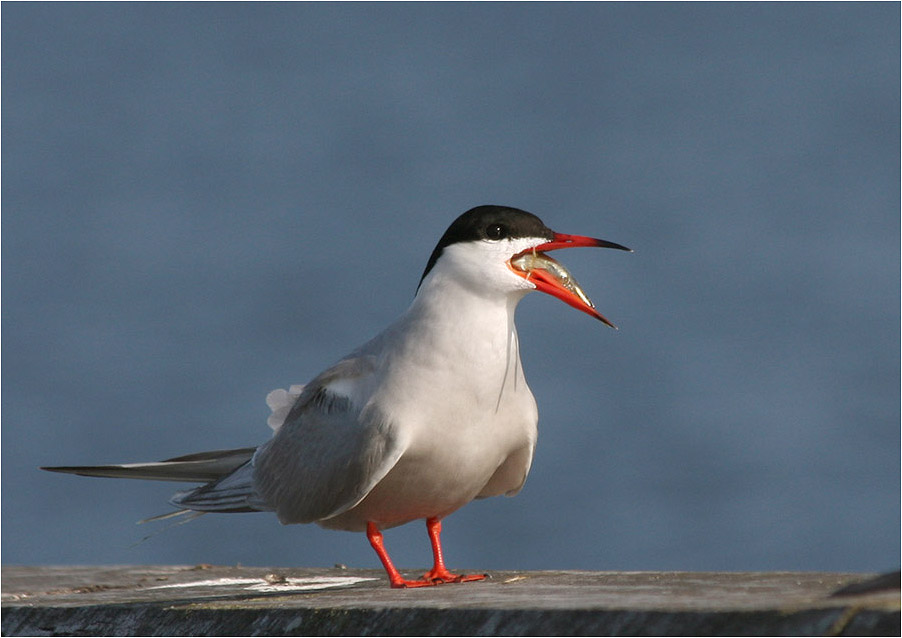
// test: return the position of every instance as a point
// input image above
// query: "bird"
(430, 414)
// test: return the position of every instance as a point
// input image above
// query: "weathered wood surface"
(245, 601)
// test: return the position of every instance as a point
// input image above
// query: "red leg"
(395, 578)
(439, 573)
(436, 576)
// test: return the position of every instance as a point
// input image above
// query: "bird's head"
(497, 250)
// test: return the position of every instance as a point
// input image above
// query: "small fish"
(535, 260)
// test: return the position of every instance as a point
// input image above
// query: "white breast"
(449, 378)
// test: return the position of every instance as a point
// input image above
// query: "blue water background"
(203, 202)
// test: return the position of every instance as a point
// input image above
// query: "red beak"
(550, 277)
(574, 241)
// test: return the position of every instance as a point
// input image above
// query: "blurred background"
(204, 202)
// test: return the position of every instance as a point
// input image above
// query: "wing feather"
(330, 451)
(324, 458)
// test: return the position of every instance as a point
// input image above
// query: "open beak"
(549, 276)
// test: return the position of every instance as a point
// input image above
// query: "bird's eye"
(496, 231)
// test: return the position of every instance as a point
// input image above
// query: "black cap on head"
(492, 223)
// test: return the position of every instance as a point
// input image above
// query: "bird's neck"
(461, 325)
(452, 345)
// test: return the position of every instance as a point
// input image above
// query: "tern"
(429, 415)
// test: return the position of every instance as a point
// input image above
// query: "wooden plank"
(206, 600)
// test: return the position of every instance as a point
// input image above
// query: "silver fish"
(535, 260)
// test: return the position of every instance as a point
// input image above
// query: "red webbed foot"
(438, 575)
(441, 576)
(431, 580)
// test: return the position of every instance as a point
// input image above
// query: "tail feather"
(174, 514)
(234, 492)
(198, 468)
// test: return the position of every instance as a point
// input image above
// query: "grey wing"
(326, 457)
(324, 460)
